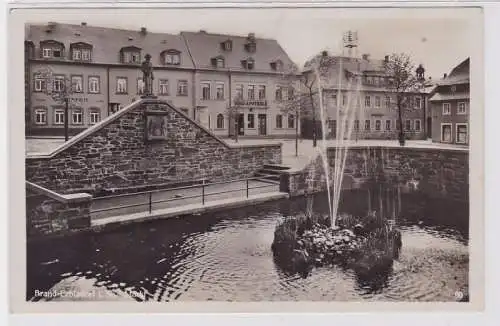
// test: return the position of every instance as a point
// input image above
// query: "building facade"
(450, 106)
(98, 71)
(357, 88)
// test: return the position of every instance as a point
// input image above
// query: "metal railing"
(150, 202)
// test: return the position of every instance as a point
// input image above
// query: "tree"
(303, 100)
(401, 81)
(60, 89)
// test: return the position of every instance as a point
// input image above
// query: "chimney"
(251, 36)
(144, 30)
(386, 59)
(366, 56)
(50, 27)
(84, 24)
(445, 75)
(203, 31)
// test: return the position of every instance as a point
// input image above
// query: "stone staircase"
(271, 173)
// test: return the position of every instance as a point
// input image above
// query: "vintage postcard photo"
(234, 159)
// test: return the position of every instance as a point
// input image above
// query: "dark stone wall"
(118, 156)
(47, 216)
(437, 173)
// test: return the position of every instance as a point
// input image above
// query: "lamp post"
(66, 118)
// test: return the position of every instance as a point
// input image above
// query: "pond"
(226, 256)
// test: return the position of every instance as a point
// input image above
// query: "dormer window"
(51, 49)
(130, 54)
(81, 51)
(171, 57)
(277, 65)
(218, 62)
(248, 63)
(227, 45)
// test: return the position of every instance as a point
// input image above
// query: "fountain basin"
(365, 245)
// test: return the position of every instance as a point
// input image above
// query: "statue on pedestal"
(147, 70)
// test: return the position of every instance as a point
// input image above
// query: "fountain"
(366, 244)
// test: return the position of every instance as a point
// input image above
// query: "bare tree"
(302, 90)
(60, 89)
(233, 112)
(401, 81)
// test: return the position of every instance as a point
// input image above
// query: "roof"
(449, 97)
(204, 46)
(107, 42)
(458, 75)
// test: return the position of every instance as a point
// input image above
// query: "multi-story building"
(357, 87)
(200, 73)
(236, 80)
(102, 68)
(450, 106)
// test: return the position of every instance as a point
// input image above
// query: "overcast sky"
(437, 38)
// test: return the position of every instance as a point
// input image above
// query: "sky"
(437, 38)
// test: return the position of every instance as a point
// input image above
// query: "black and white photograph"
(250, 155)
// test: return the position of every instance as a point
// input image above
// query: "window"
(344, 100)
(239, 91)
(41, 116)
(77, 117)
(86, 55)
(446, 109)
(367, 125)
(46, 52)
(407, 124)
(251, 121)
(172, 58)
(461, 109)
(220, 121)
(134, 57)
(378, 124)
(249, 64)
(356, 125)
(418, 102)
(140, 86)
(417, 125)
(219, 91)
(446, 132)
(367, 101)
(398, 125)
(77, 84)
(262, 92)
(219, 62)
(462, 133)
(163, 87)
(77, 54)
(182, 88)
(387, 101)
(227, 45)
(95, 116)
(94, 84)
(334, 100)
(58, 84)
(39, 83)
(291, 121)
(251, 92)
(377, 101)
(279, 121)
(279, 93)
(205, 90)
(290, 93)
(387, 124)
(411, 101)
(58, 117)
(57, 53)
(121, 85)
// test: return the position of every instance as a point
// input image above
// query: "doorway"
(241, 124)
(429, 127)
(262, 124)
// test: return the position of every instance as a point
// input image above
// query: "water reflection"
(227, 257)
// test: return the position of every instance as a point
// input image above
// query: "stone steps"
(271, 173)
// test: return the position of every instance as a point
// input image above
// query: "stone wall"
(46, 215)
(437, 173)
(115, 154)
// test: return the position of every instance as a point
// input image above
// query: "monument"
(147, 71)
